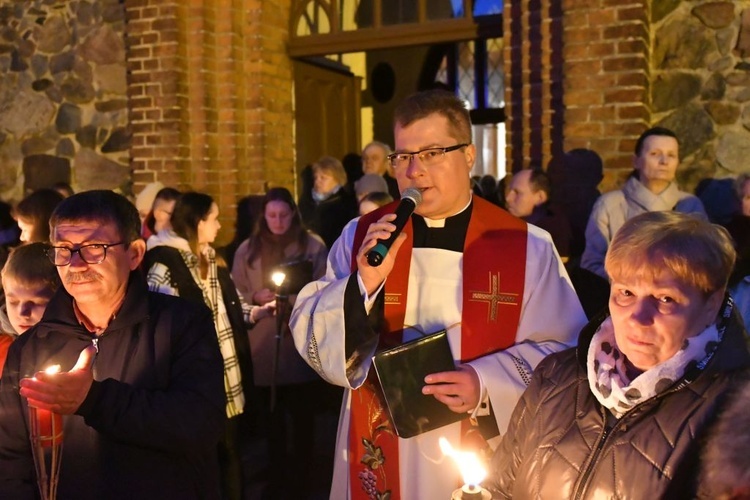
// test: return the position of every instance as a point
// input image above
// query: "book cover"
(401, 371)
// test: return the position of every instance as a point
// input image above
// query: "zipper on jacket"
(95, 343)
(583, 484)
(594, 457)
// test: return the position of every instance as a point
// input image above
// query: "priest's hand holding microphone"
(459, 390)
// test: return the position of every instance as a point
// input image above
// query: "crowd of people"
(599, 340)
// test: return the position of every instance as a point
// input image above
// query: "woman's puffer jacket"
(562, 443)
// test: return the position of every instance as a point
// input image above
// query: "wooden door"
(327, 114)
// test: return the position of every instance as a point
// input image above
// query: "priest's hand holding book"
(458, 390)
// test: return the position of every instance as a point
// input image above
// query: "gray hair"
(385, 147)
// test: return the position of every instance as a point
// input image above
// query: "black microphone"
(410, 199)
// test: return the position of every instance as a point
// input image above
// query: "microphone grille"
(413, 194)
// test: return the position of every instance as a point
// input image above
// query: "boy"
(29, 280)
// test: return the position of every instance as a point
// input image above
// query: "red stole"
(494, 266)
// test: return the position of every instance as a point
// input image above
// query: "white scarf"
(608, 377)
(320, 197)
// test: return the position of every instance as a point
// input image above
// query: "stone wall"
(701, 84)
(118, 93)
(63, 96)
(683, 64)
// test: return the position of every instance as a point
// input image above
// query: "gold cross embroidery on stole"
(493, 297)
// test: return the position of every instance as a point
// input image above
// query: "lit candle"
(46, 426)
(472, 471)
(46, 435)
(278, 278)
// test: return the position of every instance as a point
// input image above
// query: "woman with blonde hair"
(327, 208)
(624, 414)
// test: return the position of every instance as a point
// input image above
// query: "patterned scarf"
(612, 386)
(159, 279)
(213, 298)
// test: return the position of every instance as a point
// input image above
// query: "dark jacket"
(392, 186)
(562, 443)
(328, 218)
(556, 224)
(151, 421)
(183, 281)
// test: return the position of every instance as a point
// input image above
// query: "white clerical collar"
(438, 223)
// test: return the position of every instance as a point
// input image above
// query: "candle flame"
(278, 278)
(50, 370)
(468, 463)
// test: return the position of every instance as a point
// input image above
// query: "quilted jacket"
(562, 443)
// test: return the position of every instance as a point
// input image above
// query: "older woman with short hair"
(329, 206)
(623, 414)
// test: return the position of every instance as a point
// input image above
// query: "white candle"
(472, 471)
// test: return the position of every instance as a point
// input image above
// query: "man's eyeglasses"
(94, 253)
(429, 156)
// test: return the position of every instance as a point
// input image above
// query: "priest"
(495, 283)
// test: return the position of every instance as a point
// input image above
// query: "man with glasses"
(140, 387)
(461, 264)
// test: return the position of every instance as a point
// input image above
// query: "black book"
(401, 372)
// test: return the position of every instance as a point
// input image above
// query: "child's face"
(27, 230)
(25, 303)
(365, 207)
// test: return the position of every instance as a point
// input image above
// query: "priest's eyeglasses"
(95, 253)
(429, 156)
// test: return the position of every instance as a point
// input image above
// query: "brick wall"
(577, 75)
(606, 97)
(153, 79)
(625, 66)
(533, 92)
(210, 89)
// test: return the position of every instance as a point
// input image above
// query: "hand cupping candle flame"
(45, 425)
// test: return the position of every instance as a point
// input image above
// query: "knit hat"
(370, 183)
(145, 198)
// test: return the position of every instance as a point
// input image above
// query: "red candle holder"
(46, 427)
(46, 435)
